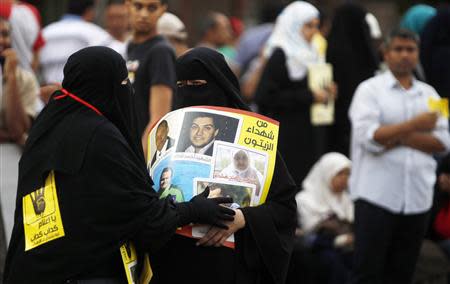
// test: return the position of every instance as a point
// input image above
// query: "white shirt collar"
(393, 83)
(202, 151)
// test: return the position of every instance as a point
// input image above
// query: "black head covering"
(350, 36)
(435, 50)
(98, 76)
(222, 88)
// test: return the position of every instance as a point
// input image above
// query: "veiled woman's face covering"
(197, 87)
(204, 78)
(99, 76)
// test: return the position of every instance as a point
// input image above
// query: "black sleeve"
(270, 227)
(121, 195)
(272, 91)
(161, 68)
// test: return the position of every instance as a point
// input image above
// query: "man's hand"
(217, 236)
(425, 121)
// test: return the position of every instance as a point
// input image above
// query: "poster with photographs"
(232, 150)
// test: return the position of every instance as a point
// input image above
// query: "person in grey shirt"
(395, 134)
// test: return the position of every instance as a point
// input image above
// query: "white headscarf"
(316, 201)
(287, 36)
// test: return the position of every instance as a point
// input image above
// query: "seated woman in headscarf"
(84, 190)
(242, 170)
(263, 234)
(283, 92)
(326, 213)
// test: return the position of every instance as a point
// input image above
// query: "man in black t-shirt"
(150, 63)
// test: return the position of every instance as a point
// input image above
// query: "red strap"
(68, 94)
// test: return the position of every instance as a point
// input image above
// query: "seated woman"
(326, 212)
(263, 234)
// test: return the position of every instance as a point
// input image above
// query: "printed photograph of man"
(167, 188)
(203, 129)
(162, 140)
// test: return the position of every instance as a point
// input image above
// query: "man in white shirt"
(73, 32)
(394, 137)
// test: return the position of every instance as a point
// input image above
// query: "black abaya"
(264, 245)
(289, 102)
(351, 52)
(87, 136)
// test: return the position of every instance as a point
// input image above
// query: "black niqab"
(95, 75)
(222, 88)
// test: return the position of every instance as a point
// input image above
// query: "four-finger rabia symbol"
(38, 200)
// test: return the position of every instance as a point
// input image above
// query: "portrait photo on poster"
(242, 193)
(240, 164)
(175, 178)
(201, 129)
(163, 138)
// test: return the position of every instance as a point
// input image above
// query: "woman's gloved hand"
(203, 210)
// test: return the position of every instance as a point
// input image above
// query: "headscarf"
(97, 76)
(222, 88)
(350, 35)
(417, 17)
(316, 201)
(287, 35)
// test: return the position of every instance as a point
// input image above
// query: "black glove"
(203, 210)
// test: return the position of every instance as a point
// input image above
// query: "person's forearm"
(160, 103)
(423, 142)
(389, 135)
(16, 120)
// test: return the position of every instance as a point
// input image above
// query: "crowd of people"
(363, 198)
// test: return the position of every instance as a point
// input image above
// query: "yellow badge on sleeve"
(439, 105)
(129, 259)
(41, 216)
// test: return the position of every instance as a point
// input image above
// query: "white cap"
(171, 26)
(374, 26)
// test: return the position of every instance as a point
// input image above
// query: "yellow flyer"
(130, 263)
(41, 216)
(439, 105)
(231, 152)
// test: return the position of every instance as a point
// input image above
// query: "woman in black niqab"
(353, 56)
(221, 88)
(263, 246)
(87, 136)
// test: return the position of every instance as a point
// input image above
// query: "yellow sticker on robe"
(439, 105)
(41, 216)
(129, 259)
